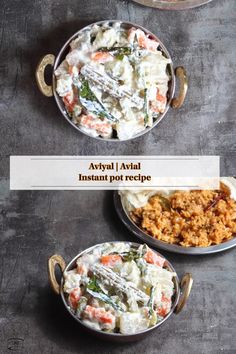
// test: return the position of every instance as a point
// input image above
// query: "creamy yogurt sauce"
(119, 288)
(113, 81)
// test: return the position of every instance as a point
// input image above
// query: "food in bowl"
(198, 218)
(114, 81)
(119, 288)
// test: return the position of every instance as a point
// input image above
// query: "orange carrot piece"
(162, 311)
(143, 40)
(110, 260)
(101, 57)
(74, 297)
(161, 98)
(153, 258)
(92, 123)
(147, 43)
(100, 314)
(70, 101)
(165, 308)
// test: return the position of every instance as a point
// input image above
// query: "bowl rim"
(58, 60)
(120, 335)
(134, 229)
(173, 5)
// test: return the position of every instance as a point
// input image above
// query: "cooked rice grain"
(194, 219)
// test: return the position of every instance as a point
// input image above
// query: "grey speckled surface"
(202, 39)
(34, 225)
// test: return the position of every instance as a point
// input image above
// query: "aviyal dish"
(113, 80)
(119, 288)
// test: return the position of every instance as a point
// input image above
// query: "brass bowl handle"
(46, 90)
(52, 263)
(185, 288)
(178, 101)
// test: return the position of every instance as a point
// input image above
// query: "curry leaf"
(93, 285)
(91, 103)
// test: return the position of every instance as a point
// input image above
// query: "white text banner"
(113, 172)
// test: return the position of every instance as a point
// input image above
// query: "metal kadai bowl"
(179, 299)
(50, 90)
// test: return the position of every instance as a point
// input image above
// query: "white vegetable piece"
(157, 275)
(72, 281)
(64, 84)
(131, 272)
(126, 129)
(131, 323)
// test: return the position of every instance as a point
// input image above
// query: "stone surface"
(202, 39)
(35, 225)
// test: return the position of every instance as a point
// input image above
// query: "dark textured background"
(203, 40)
(34, 225)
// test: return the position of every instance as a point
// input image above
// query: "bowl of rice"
(187, 222)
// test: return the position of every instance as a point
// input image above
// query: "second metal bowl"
(145, 237)
(182, 291)
(172, 4)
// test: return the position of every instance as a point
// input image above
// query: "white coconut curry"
(118, 288)
(113, 81)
